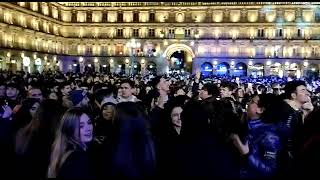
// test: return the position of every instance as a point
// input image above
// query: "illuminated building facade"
(235, 38)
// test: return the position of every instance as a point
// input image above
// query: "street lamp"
(133, 44)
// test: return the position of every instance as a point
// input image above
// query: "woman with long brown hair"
(69, 157)
(33, 142)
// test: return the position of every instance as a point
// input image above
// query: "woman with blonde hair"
(69, 156)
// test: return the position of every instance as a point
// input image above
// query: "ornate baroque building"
(237, 38)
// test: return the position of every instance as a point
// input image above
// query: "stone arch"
(176, 47)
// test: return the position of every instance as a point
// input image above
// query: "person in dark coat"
(132, 154)
(104, 123)
(6, 143)
(308, 156)
(170, 140)
(33, 142)
(25, 113)
(291, 123)
(201, 154)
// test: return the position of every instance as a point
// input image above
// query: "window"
(74, 16)
(261, 33)
(120, 17)
(120, 33)
(89, 16)
(314, 52)
(279, 33)
(187, 33)
(295, 51)
(260, 51)
(104, 17)
(119, 49)
(317, 16)
(136, 17)
(277, 50)
(151, 33)
(152, 17)
(171, 33)
(299, 33)
(135, 32)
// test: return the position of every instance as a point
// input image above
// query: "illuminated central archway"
(177, 47)
(186, 50)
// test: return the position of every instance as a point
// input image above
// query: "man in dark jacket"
(209, 92)
(291, 116)
(6, 143)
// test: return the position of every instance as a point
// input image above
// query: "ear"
(293, 95)
(260, 110)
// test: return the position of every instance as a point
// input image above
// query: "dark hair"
(291, 87)
(134, 153)
(44, 124)
(105, 105)
(229, 85)
(262, 88)
(64, 84)
(12, 85)
(212, 89)
(194, 120)
(224, 120)
(178, 101)
(272, 105)
(131, 83)
(23, 116)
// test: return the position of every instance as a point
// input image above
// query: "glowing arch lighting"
(176, 47)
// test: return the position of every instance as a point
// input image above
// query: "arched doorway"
(240, 69)
(75, 66)
(177, 60)
(136, 68)
(223, 69)
(179, 56)
(276, 69)
(206, 69)
(121, 69)
(257, 70)
(312, 71)
(292, 69)
(105, 68)
(152, 67)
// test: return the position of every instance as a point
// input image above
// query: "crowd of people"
(95, 125)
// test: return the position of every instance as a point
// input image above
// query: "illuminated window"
(295, 51)
(119, 49)
(277, 51)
